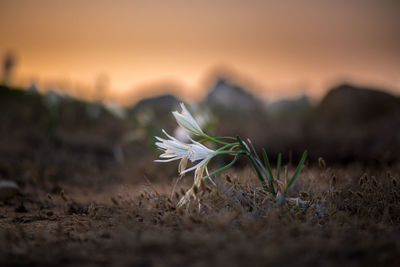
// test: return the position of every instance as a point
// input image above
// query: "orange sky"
(278, 48)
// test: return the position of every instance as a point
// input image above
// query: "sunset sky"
(276, 48)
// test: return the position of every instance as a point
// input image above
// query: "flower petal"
(196, 166)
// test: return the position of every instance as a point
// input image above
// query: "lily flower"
(173, 149)
(186, 121)
(200, 152)
(177, 150)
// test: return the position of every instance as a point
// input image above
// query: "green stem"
(232, 152)
(226, 146)
(202, 140)
(222, 168)
(226, 137)
(215, 140)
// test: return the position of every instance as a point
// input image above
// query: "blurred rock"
(225, 95)
(93, 110)
(150, 115)
(32, 89)
(8, 189)
(349, 104)
(290, 108)
(116, 110)
(356, 124)
(237, 111)
(158, 104)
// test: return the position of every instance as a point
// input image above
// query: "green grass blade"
(266, 162)
(268, 171)
(256, 167)
(244, 147)
(254, 150)
(269, 178)
(260, 177)
(278, 167)
(296, 173)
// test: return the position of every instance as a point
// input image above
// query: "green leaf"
(254, 150)
(242, 144)
(270, 179)
(278, 166)
(253, 162)
(260, 177)
(267, 174)
(296, 173)
(266, 162)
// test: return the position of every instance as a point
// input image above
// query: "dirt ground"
(88, 197)
(350, 217)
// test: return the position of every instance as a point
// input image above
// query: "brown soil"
(80, 203)
(350, 219)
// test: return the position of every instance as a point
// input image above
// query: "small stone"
(8, 189)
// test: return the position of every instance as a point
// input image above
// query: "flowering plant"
(195, 151)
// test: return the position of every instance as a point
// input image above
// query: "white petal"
(186, 121)
(160, 139)
(170, 137)
(188, 115)
(167, 155)
(196, 166)
(166, 160)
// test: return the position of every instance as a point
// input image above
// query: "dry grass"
(350, 219)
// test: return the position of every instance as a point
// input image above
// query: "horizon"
(170, 92)
(131, 50)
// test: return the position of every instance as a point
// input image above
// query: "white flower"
(175, 150)
(181, 134)
(198, 151)
(186, 121)
(202, 117)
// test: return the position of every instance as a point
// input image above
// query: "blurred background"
(131, 49)
(85, 86)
